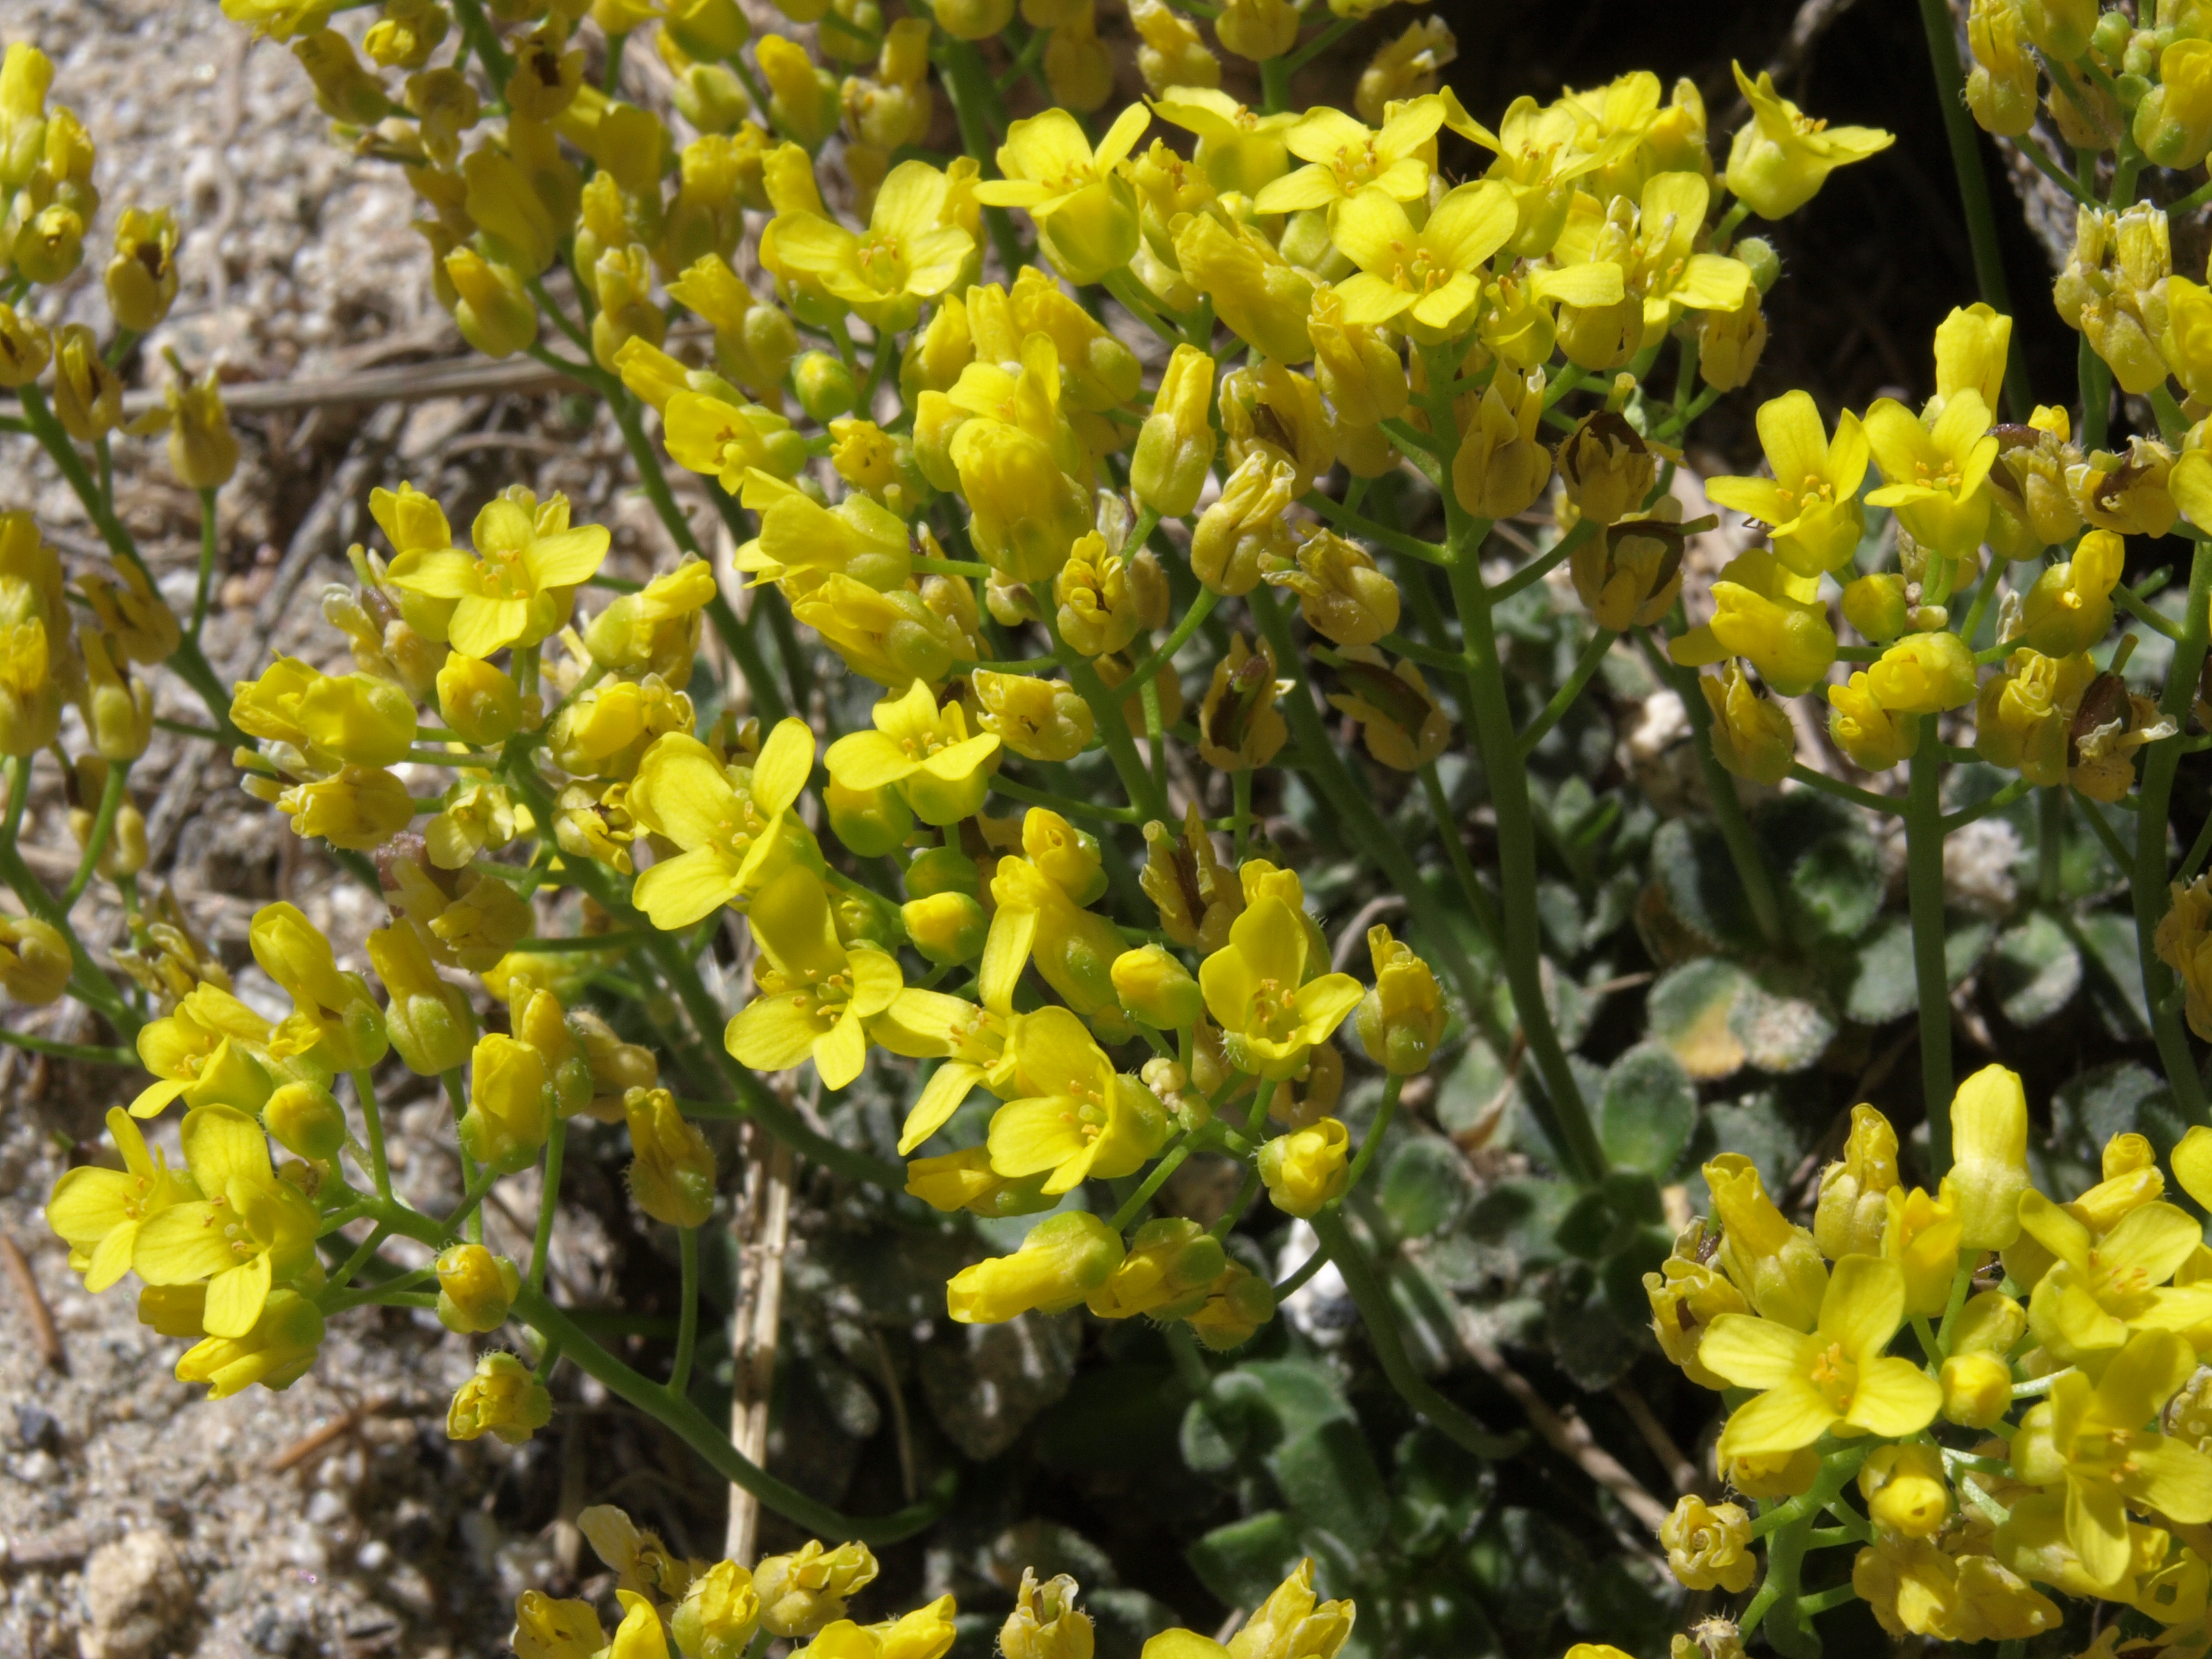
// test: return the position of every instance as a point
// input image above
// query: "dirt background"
(336, 1518)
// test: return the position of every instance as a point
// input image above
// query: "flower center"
(1836, 1376)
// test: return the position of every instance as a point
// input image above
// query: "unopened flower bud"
(1237, 1304)
(1989, 1151)
(946, 928)
(1402, 1020)
(141, 278)
(823, 385)
(1607, 467)
(943, 870)
(1752, 738)
(718, 1615)
(503, 1399)
(1305, 1168)
(673, 1174)
(305, 1119)
(88, 393)
(1852, 1208)
(870, 822)
(1977, 1390)
(1062, 1262)
(1876, 605)
(1171, 1265)
(1905, 1489)
(34, 960)
(801, 1592)
(429, 1022)
(475, 1289)
(1157, 989)
(276, 1353)
(478, 700)
(1045, 1623)
(26, 348)
(510, 1104)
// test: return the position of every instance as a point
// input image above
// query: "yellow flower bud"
(478, 700)
(1359, 371)
(1848, 1219)
(1175, 445)
(1276, 411)
(1039, 719)
(946, 928)
(1046, 1624)
(510, 1105)
(88, 393)
(1293, 1622)
(492, 308)
(475, 1288)
(1169, 1271)
(1263, 299)
(801, 1592)
(1988, 1153)
(1239, 726)
(1730, 344)
(276, 1353)
(1257, 29)
(1307, 1167)
(1237, 1304)
(870, 822)
(1924, 674)
(34, 960)
(305, 1119)
(1751, 737)
(1977, 1390)
(2173, 122)
(1871, 735)
(345, 91)
(1501, 469)
(1062, 1262)
(1405, 68)
(1172, 53)
(1402, 1019)
(1686, 1297)
(1158, 990)
(1709, 1545)
(1921, 1235)
(1777, 1264)
(673, 1174)
(718, 1615)
(431, 1023)
(119, 712)
(141, 278)
(503, 1399)
(2069, 608)
(1875, 606)
(1769, 616)
(1905, 1489)
(1244, 531)
(965, 1180)
(26, 348)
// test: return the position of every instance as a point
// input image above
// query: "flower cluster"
(2042, 1430)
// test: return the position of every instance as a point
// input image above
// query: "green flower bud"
(823, 385)
(870, 822)
(947, 928)
(475, 1289)
(1157, 989)
(1875, 606)
(306, 1120)
(1765, 263)
(943, 870)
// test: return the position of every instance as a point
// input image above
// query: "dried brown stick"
(42, 1318)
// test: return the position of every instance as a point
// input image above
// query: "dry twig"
(42, 1318)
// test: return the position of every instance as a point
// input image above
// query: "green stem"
(1240, 793)
(2096, 383)
(2132, 603)
(1201, 608)
(1728, 817)
(207, 562)
(1564, 698)
(2050, 839)
(2147, 881)
(1133, 1206)
(1372, 1140)
(103, 825)
(1537, 568)
(92, 1054)
(1973, 187)
(1923, 860)
(1373, 1300)
(1840, 790)
(1359, 525)
(88, 983)
(378, 1168)
(1137, 783)
(548, 1203)
(2003, 797)
(687, 1328)
(968, 88)
(1448, 831)
(1274, 85)
(1320, 43)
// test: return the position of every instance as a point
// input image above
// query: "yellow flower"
(1256, 989)
(1709, 1545)
(2101, 1291)
(1923, 674)
(1175, 445)
(98, 1212)
(2090, 1440)
(1402, 1020)
(35, 963)
(816, 996)
(1239, 148)
(1293, 1622)
(1046, 1624)
(2173, 122)
(1811, 504)
(252, 1232)
(909, 255)
(1777, 1264)
(1687, 1295)
(521, 584)
(1262, 297)
(1173, 57)
(1781, 157)
(510, 1103)
(1630, 573)
(475, 1288)
(2069, 608)
(1063, 1260)
(1041, 720)
(1922, 1236)
(921, 750)
(736, 834)
(1501, 469)
(1076, 1116)
(1344, 157)
(718, 1615)
(1935, 472)
(547, 1629)
(1426, 276)
(1084, 211)
(1766, 616)
(204, 1051)
(1836, 1378)
(276, 1352)
(643, 1564)
(1341, 595)
(671, 1175)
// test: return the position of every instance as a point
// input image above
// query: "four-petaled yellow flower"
(250, 1231)
(519, 585)
(1810, 506)
(2103, 1290)
(1271, 1015)
(1084, 211)
(908, 254)
(1836, 1378)
(1076, 1116)
(816, 995)
(1344, 157)
(921, 750)
(2101, 1441)
(1936, 476)
(1782, 156)
(736, 833)
(1427, 276)
(98, 1212)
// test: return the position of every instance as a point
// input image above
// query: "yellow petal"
(787, 760)
(1894, 1397)
(1033, 1135)
(1785, 1418)
(842, 1051)
(679, 892)
(945, 1092)
(182, 1245)
(1864, 1305)
(1751, 1352)
(234, 1297)
(771, 1034)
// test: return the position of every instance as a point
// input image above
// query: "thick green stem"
(2147, 883)
(379, 1170)
(968, 88)
(103, 826)
(1373, 1300)
(1973, 187)
(1498, 744)
(1923, 881)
